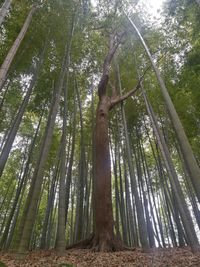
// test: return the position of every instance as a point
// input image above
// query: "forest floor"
(179, 257)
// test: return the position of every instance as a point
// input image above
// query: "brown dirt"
(179, 257)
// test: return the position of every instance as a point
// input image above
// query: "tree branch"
(118, 99)
(114, 42)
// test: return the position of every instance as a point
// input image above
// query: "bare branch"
(119, 99)
(116, 100)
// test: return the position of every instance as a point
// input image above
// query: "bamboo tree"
(81, 175)
(122, 202)
(188, 156)
(140, 212)
(183, 209)
(71, 160)
(13, 50)
(60, 237)
(140, 161)
(17, 121)
(131, 228)
(21, 187)
(50, 202)
(40, 166)
(116, 191)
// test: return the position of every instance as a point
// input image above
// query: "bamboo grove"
(99, 125)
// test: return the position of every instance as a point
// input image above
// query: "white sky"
(153, 7)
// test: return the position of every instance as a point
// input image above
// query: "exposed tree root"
(82, 243)
(97, 244)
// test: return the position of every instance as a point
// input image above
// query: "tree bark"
(104, 239)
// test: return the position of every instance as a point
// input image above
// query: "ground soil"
(179, 257)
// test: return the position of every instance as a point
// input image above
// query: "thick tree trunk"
(104, 234)
(13, 50)
(103, 238)
(4, 10)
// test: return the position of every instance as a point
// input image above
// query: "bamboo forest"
(100, 133)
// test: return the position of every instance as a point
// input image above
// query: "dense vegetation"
(99, 125)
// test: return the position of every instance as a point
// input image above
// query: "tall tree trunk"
(140, 212)
(4, 10)
(93, 148)
(21, 186)
(188, 156)
(13, 50)
(40, 166)
(140, 161)
(183, 209)
(114, 163)
(16, 123)
(131, 227)
(81, 175)
(4, 97)
(71, 160)
(50, 201)
(104, 234)
(60, 237)
(122, 204)
(103, 238)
